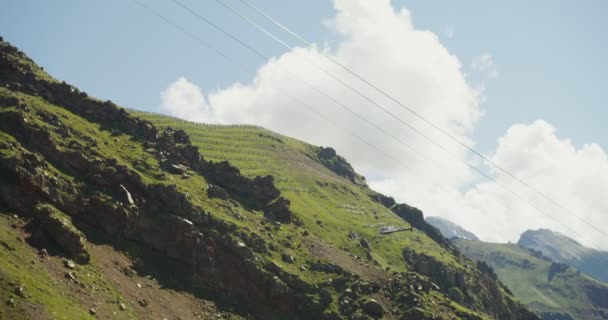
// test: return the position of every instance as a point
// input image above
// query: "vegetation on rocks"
(234, 221)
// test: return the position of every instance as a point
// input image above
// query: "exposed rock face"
(164, 223)
(365, 244)
(416, 219)
(214, 191)
(59, 227)
(373, 308)
(259, 193)
(336, 163)
(114, 198)
(55, 174)
(386, 201)
(458, 284)
(177, 151)
(555, 269)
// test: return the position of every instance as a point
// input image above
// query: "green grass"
(328, 205)
(527, 276)
(315, 192)
(20, 266)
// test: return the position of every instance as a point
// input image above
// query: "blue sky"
(541, 65)
(550, 55)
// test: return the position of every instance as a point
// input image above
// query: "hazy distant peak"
(449, 229)
(561, 248)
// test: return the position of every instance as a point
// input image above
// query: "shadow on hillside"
(169, 273)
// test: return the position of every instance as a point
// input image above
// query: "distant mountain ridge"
(449, 229)
(551, 289)
(561, 248)
(537, 270)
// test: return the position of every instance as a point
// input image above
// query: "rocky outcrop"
(168, 223)
(336, 163)
(556, 268)
(214, 191)
(59, 177)
(598, 294)
(373, 308)
(386, 201)
(173, 147)
(416, 219)
(114, 198)
(58, 226)
(480, 291)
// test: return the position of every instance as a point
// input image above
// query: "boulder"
(214, 191)
(288, 258)
(177, 168)
(373, 308)
(365, 244)
(325, 297)
(279, 210)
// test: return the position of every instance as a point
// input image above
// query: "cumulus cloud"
(381, 43)
(185, 100)
(484, 64)
(576, 177)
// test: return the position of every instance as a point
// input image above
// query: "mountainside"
(449, 229)
(560, 248)
(553, 290)
(105, 214)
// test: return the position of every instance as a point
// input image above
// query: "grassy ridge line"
(331, 204)
(315, 192)
(527, 276)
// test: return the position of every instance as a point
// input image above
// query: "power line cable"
(259, 53)
(308, 107)
(384, 93)
(262, 55)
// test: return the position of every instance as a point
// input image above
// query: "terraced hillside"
(554, 290)
(335, 207)
(108, 215)
(331, 206)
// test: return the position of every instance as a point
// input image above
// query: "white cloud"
(382, 44)
(185, 100)
(575, 177)
(485, 64)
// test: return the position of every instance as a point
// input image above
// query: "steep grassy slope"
(554, 290)
(332, 207)
(560, 248)
(36, 285)
(315, 192)
(284, 230)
